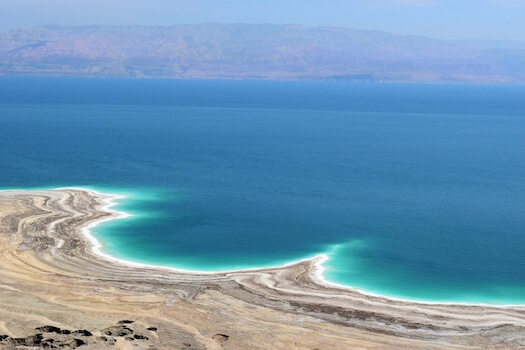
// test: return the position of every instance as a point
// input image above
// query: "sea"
(412, 191)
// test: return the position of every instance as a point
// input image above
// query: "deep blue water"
(414, 191)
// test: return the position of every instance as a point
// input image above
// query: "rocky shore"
(56, 291)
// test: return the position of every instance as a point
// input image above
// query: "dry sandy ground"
(56, 292)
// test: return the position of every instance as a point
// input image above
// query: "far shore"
(53, 273)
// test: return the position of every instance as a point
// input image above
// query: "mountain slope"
(255, 51)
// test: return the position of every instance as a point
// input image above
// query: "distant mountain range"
(256, 51)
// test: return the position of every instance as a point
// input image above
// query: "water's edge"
(319, 261)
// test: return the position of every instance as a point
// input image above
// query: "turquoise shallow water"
(413, 191)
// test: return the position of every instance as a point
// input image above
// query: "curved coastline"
(316, 260)
(54, 235)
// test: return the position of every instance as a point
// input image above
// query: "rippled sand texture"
(51, 277)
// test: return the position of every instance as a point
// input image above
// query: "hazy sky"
(447, 19)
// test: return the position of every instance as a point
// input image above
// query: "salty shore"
(53, 275)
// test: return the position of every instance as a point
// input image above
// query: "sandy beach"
(57, 290)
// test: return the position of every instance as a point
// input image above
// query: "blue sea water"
(413, 191)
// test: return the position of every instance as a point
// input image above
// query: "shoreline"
(52, 272)
(317, 260)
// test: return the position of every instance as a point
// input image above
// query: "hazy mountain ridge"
(258, 51)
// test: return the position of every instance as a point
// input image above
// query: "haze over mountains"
(256, 51)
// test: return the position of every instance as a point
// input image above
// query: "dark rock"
(34, 340)
(118, 331)
(48, 329)
(141, 337)
(129, 338)
(19, 341)
(64, 331)
(124, 332)
(220, 337)
(3, 337)
(153, 329)
(125, 322)
(83, 332)
(73, 343)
